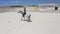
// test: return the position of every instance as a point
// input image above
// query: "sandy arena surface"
(42, 23)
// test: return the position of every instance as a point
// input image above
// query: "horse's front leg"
(23, 19)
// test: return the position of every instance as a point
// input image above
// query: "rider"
(24, 13)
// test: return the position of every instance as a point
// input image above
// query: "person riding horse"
(24, 15)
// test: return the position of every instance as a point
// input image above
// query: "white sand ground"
(42, 23)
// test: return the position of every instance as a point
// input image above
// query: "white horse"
(25, 17)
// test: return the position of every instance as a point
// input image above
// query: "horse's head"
(20, 12)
